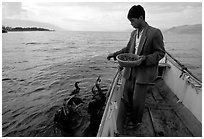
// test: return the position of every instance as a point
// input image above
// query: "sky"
(102, 16)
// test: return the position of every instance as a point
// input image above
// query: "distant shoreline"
(27, 30)
(21, 29)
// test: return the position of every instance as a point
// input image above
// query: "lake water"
(39, 70)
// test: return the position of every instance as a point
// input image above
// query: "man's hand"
(111, 55)
(142, 58)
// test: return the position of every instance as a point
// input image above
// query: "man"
(147, 42)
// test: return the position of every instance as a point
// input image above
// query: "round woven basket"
(128, 60)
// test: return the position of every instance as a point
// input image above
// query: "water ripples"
(41, 72)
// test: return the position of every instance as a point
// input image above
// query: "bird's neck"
(77, 87)
(98, 87)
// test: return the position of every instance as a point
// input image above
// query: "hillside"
(185, 29)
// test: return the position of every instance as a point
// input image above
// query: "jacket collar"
(143, 39)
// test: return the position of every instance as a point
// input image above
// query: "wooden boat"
(173, 106)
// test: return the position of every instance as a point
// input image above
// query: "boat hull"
(178, 84)
(185, 87)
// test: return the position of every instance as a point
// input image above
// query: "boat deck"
(164, 115)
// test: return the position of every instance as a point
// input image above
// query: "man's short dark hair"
(136, 11)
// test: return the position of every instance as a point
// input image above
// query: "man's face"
(135, 22)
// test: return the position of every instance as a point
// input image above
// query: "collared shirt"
(137, 40)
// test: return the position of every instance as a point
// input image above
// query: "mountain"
(29, 23)
(185, 29)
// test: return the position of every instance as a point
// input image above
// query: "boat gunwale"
(183, 68)
(109, 95)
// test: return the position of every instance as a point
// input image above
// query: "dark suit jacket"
(151, 45)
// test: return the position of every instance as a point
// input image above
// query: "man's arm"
(158, 48)
(123, 50)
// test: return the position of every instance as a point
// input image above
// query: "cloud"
(101, 6)
(170, 14)
(75, 16)
(12, 10)
(172, 7)
(103, 15)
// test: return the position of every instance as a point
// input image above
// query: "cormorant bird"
(73, 98)
(97, 85)
(96, 107)
(75, 91)
(67, 117)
